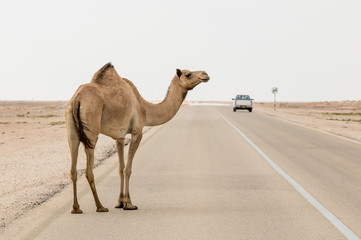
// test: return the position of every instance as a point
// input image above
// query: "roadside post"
(274, 91)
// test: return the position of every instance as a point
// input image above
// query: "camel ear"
(179, 72)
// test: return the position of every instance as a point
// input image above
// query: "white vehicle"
(243, 102)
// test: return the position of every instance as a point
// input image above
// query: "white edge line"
(323, 210)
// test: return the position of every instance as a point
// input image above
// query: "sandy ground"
(339, 118)
(35, 160)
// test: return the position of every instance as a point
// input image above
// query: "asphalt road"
(197, 177)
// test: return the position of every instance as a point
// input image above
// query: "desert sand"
(35, 160)
(339, 118)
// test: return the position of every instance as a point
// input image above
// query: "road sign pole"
(274, 91)
(274, 103)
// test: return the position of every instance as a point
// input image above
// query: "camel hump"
(106, 73)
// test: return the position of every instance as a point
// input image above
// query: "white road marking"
(322, 209)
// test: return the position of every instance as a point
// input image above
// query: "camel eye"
(188, 75)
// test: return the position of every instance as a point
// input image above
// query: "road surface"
(205, 175)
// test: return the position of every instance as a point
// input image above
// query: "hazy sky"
(309, 49)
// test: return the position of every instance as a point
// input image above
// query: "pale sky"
(309, 49)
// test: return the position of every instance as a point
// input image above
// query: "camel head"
(188, 80)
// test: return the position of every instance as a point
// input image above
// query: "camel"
(111, 105)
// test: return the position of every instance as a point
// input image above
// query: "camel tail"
(80, 126)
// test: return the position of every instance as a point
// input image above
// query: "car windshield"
(242, 97)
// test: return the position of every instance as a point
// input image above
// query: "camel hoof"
(76, 211)
(102, 209)
(130, 207)
(119, 205)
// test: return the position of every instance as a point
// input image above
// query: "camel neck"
(160, 113)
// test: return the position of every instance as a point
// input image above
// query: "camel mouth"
(205, 79)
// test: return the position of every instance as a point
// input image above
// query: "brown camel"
(112, 105)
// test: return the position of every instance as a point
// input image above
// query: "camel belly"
(115, 125)
(114, 132)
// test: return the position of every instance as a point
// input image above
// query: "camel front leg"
(120, 148)
(136, 138)
(90, 176)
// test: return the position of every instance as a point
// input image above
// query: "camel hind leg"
(87, 114)
(73, 141)
(90, 177)
(74, 146)
(92, 131)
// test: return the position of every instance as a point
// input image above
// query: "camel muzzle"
(205, 77)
